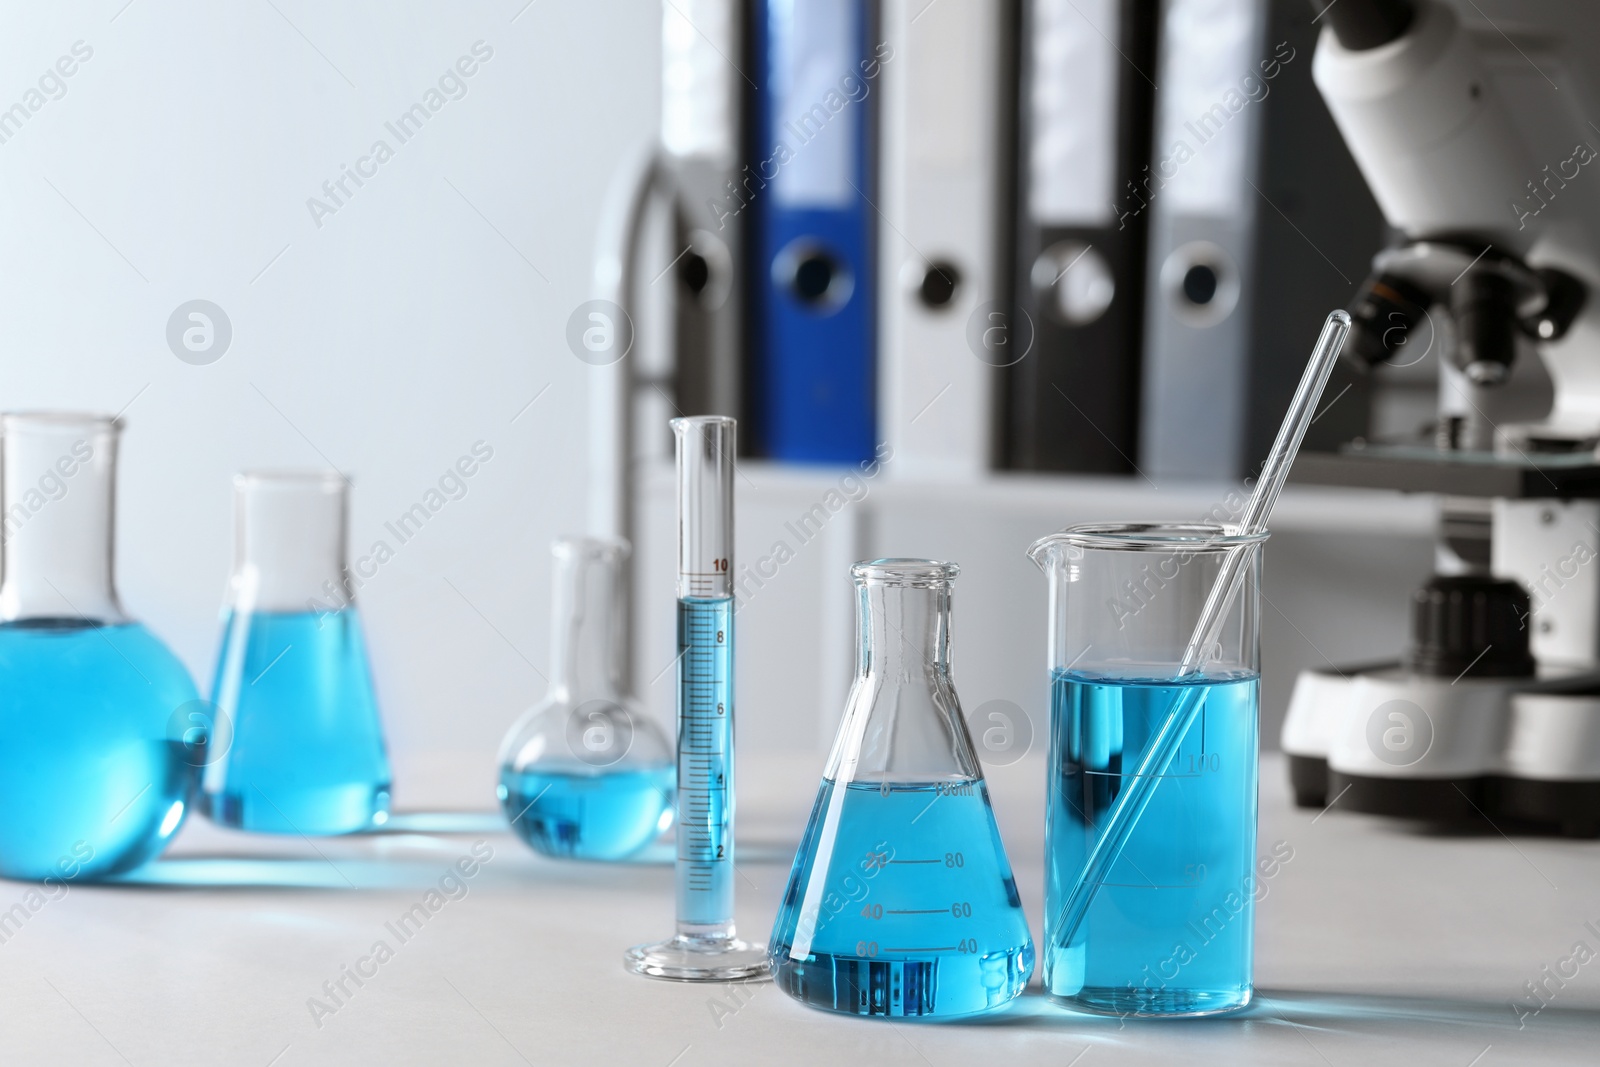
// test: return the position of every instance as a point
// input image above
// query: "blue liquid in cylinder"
(1171, 929)
(588, 814)
(306, 751)
(901, 903)
(94, 780)
(705, 764)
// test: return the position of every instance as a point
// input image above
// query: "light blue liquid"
(306, 752)
(705, 764)
(94, 780)
(588, 815)
(901, 904)
(1171, 928)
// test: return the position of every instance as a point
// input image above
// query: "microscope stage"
(1415, 469)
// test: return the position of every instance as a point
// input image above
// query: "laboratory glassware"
(586, 773)
(1170, 729)
(901, 902)
(298, 744)
(1170, 926)
(99, 762)
(706, 946)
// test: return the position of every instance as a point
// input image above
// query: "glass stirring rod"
(1168, 735)
(705, 947)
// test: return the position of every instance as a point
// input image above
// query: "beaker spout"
(1047, 552)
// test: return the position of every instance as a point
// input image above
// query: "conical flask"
(586, 773)
(901, 901)
(98, 765)
(298, 745)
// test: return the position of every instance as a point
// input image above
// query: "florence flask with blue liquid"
(298, 742)
(98, 763)
(585, 773)
(901, 902)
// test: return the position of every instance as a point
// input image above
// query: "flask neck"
(57, 491)
(905, 631)
(587, 611)
(289, 542)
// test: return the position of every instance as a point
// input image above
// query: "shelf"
(1066, 498)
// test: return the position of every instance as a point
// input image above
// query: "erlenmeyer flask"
(298, 746)
(901, 900)
(95, 771)
(586, 773)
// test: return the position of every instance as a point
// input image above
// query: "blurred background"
(385, 340)
(979, 294)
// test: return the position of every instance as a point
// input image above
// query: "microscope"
(1471, 126)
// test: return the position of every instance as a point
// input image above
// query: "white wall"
(177, 165)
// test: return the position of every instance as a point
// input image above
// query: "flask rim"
(1159, 536)
(906, 571)
(688, 423)
(309, 477)
(586, 546)
(94, 421)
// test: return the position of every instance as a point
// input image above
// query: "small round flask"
(586, 773)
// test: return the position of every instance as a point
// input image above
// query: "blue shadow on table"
(1367, 1014)
(411, 850)
(254, 872)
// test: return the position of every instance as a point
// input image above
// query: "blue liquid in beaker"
(93, 781)
(588, 814)
(1171, 928)
(306, 751)
(901, 904)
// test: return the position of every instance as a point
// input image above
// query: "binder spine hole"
(1199, 284)
(817, 278)
(938, 285)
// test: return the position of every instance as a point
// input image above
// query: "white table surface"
(1376, 943)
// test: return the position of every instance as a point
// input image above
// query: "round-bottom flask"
(585, 773)
(99, 763)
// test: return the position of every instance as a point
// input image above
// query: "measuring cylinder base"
(699, 959)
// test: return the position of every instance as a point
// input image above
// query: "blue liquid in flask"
(306, 753)
(588, 814)
(1171, 929)
(901, 903)
(705, 763)
(93, 779)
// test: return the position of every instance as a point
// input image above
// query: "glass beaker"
(586, 773)
(298, 745)
(96, 772)
(901, 901)
(1169, 929)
